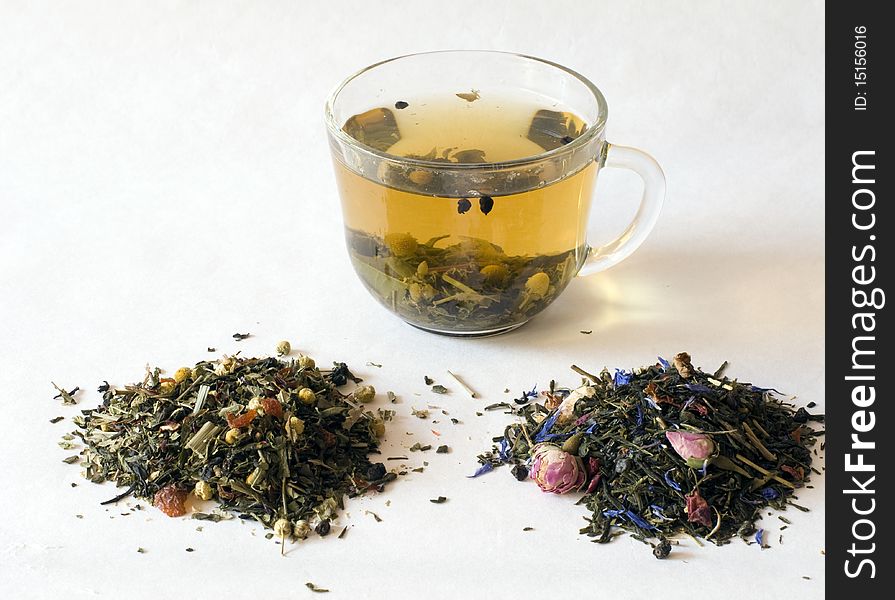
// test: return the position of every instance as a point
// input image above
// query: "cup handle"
(609, 255)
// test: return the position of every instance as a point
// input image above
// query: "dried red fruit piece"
(654, 392)
(797, 473)
(242, 420)
(272, 407)
(170, 500)
(698, 510)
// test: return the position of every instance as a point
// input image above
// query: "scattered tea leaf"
(316, 589)
(67, 397)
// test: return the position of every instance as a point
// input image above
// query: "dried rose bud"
(556, 471)
(694, 448)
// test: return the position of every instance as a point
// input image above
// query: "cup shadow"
(673, 293)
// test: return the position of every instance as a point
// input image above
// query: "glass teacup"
(466, 180)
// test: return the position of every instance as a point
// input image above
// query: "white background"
(165, 182)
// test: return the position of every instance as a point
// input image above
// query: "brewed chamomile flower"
(284, 348)
(203, 490)
(306, 362)
(538, 284)
(307, 396)
(182, 374)
(401, 244)
(421, 291)
(495, 275)
(282, 528)
(365, 393)
(302, 529)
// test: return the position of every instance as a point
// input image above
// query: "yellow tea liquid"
(487, 256)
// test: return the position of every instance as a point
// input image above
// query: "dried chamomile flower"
(282, 528)
(307, 396)
(182, 374)
(302, 529)
(203, 490)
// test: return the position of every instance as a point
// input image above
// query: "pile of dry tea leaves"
(663, 451)
(270, 440)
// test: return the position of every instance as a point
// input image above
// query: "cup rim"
(581, 141)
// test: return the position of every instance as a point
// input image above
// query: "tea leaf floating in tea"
(270, 440)
(662, 451)
(469, 285)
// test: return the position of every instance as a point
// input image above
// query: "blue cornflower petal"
(592, 428)
(638, 520)
(485, 468)
(504, 451)
(759, 537)
(621, 378)
(665, 364)
(639, 415)
(769, 493)
(545, 427)
(698, 387)
(670, 481)
(659, 512)
(631, 516)
(755, 388)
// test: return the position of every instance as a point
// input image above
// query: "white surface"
(165, 182)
